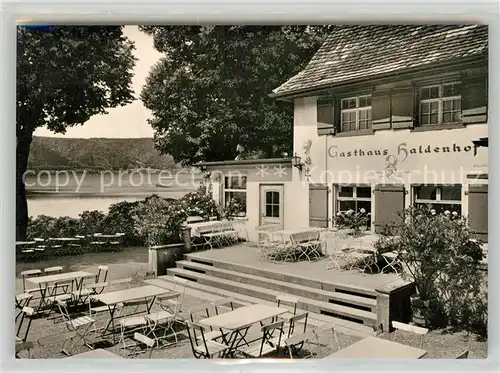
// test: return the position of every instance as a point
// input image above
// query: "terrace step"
(311, 305)
(210, 293)
(359, 302)
(297, 279)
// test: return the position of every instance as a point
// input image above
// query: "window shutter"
(325, 117)
(402, 108)
(318, 205)
(336, 116)
(478, 210)
(389, 202)
(381, 109)
(474, 98)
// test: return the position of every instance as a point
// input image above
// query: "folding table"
(238, 322)
(111, 299)
(43, 281)
(372, 347)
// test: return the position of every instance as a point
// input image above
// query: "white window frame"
(439, 100)
(228, 190)
(356, 110)
(354, 195)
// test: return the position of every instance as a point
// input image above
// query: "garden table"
(43, 281)
(96, 354)
(238, 322)
(197, 229)
(372, 347)
(112, 299)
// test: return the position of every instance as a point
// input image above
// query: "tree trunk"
(22, 154)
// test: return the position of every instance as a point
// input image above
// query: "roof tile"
(354, 52)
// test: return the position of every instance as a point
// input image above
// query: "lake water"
(70, 193)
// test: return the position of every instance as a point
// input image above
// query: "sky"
(128, 121)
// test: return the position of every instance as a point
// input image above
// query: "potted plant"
(355, 221)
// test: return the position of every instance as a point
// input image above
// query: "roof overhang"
(244, 162)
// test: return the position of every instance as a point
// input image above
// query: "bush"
(40, 227)
(200, 203)
(120, 219)
(439, 253)
(91, 222)
(159, 221)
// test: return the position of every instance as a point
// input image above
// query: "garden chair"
(27, 251)
(40, 248)
(200, 312)
(463, 355)
(27, 274)
(175, 304)
(222, 303)
(268, 343)
(22, 300)
(80, 327)
(392, 261)
(317, 334)
(287, 300)
(399, 326)
(162, 319)
(214, 236)
(294, 329)
(203, 347)
(117, 243)
(309, 244)
(97, 287)
(278, 248)
(131, 321)
(27, 314)
(55, 248)
(96, 243)
(338, 253)
(142, 344)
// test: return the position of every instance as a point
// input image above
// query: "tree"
(65, 75)
(210, 92)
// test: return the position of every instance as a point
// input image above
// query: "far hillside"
(53, 153)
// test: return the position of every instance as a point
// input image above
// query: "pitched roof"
(352, 53)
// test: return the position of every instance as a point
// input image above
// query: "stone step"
(281, 276)
(360, 302)
(311, 305)
(210, 293)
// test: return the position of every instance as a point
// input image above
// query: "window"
(325, 111)
(441, 198)
(440, 104)
(272, 204)
(356, 113)
(355, 197)
(235, 194)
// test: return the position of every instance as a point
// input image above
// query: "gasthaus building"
(385, 117)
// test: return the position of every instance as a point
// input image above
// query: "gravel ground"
(438, 344)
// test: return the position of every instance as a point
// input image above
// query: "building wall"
(401, 156)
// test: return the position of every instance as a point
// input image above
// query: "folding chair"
(463, 355)
(53, 270)
(39, 248)
(308, 244)
(399, 326)
(201, 347)
(80, 326)
(142, 343)
(200, 312)
(222, 303)
(162, 319)
(97, 287)
(22, 300)
(27, 274)
(131, 321)
(269, 342)
(282, 299)
(27, 313)
(338, 253)
(214, 236)
(294, 336)
(321, 330)
(96, 244)
(117, 243)
(392, 260)
(175, 304)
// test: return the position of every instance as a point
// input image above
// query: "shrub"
(40, 227)
(91, 222)
(159, 221)
(66, 227)
(439, 253)
(120, 219)
(200, 203)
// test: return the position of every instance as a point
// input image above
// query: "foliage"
(46, 226)
(120, 219)
(439, 253)
(353, 220)
(65, 75)
(95, 154)
(200, 203)
(210, 91)
(159, 221)
(91, 222)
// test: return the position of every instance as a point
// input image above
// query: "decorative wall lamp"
(297, 162)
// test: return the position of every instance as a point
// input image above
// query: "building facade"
(385, 117)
